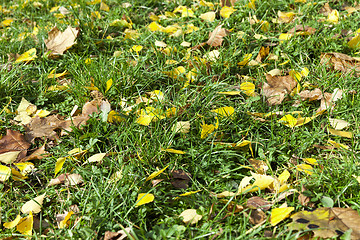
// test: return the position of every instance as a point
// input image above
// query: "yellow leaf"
(64, 223)
(284, 176)
(53, 75)
(288, 120)
(171, 150)
(261, 182)
(157, 95)
(226, 11)
(340, 133)
(284, 37)
(155, 174)
(206, 129)
(96, 157)
(279, 214)
(248, 88)
(354, 43)
(251, 4)
(6, 22)
(42, 113)
(337, 145)
(59, 164)
(5, 173)
(104, 7)
(9, 157)
(144, 198)
(230, 93)
(25, 225)
(144, 119)
(245, 60)
(242, 144)
(13, 224)
(25, 168)
(311, 161)
(338, 124)
(209, 16)
(356, 177)
(93, 2)
(154, 26)
(189, 193)
(27, 56)
(305, 72)
(306, 168)
(333, 17)
(265, 26)
(34, 205)
(137, 48)
(181, 127)
(190, 216)
(108, 84)
(114, 117)
(224, 111)
(285, 17)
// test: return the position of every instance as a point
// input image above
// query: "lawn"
(179, 119)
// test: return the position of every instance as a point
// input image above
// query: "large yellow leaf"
(34, 205)
(27, 56)
(25, 225)
(13, 223)
(206, 129)
(144, 119)
(248, 88)
(279, 214)
(155, 174)
(96, 157)
(333, 17)
(144, 198)
(226, 11)
(108, 84)
(59, 164)
(224, 111)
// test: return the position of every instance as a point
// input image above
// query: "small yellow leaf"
(13, 224)
(137, 48)
(6, 22)
(114, 117)
(209, 16)
(64, 223)
(340, 133)
(59, 164)
(27, 56)
(261, 182)
(311, 161)
(284, 37)
(25, 225)
(248, 88)
(356, 177)
(155, 174)
(245, 60)
(224, 111)
(5, 173)
(144, 198)
(108, 84)
(190, 216)
(288, 120)
(226, 11)
(181, 127)
(42, 113)
(230, 93)
(284, 176)
(145, 119)
(337, 145)
(189, 193)
(9, 157)
(333, 17)
(338, 124)
(171, 150)
(96, 157)
(34, 205)
(104, 7)
(306, 168)
(206, 129)
(157, 95)
(154, 26)
(354, 43)
(53, 75)
(279, 214)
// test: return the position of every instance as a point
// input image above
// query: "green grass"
(110, 206)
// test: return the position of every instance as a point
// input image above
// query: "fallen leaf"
(9, 157)
(144, 198)
(190, 216)
(96, 157)
(256, 216)
(65, 221)
(13, 223)
(14, 141)
(25, 226)
(340, 133)
(327, 222)
(34, 205)
(341, 62)
(226, 11)
(171, 150)
(277, 87)
(279, 214)
(55, 181)
(181, 127)
(209, 16)
(58, 42)
(224, 111)
(27, 56)
(155, 174)
(73, 179)
(258, 202)
(285, 17)
(338, 124)
(216, 37)
(337, 145)
(120, 235)
(5, 173)
(305, 168)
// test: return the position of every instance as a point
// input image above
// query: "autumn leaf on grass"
(144, 198)
(285, 17)
(190, 216)
(354, 43)
(277, 87)
(340, 133)
(206, 129)
(58, 42)
(25, 225)
(338, 124)
(33, 205)
(5, 173)
(63, 220)
(224, 111)
(338, 145)
(306, 168)
(279, 214)
(181, 127)
(226, 11)
(13, 143)
(27, 56)
(327, 222)
(216, 37)
(155, 174)
(96, 158)
(248, 88)
(341, 62)
(171, 150)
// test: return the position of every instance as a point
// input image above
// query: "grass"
(106, 205)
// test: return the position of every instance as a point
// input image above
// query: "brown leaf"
(302, 30)
(117, 235)
(277, 87)
(256, 216)
(14, 141)
(263, 53)
(341, 62)
(38, 154)
(216, 36)
(312, 95)
(60, 179)
(58, 42)
(260, 166)
(228, 3)
(326, 9)
(328, 100)
(73, 179)
(258, 203)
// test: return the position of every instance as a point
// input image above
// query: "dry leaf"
(5, 173)
(120, 235)
(256, 216)
(190, 216)
(277, 87)
(58, 42)
(14, 141)
(341, 62)
(96, 157)
(55, 181)
(340, 133)
(73, 179)
(181, 127)
(302, 30)
(338, 124)
(258, 202)
(216, 36)
(34, 205)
